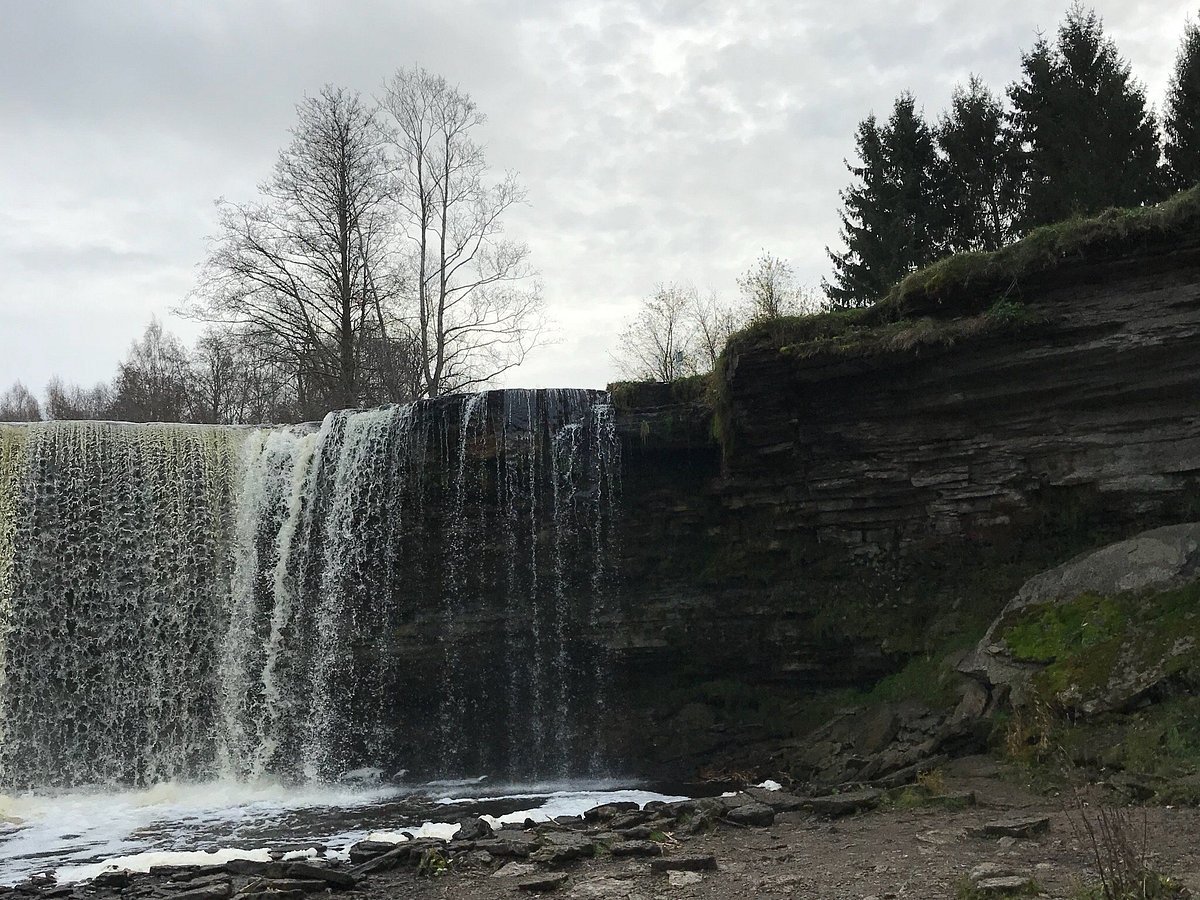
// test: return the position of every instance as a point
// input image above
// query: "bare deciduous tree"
(659, 344)
(152, 382)
(65, 401)
(478, 310)
(770, 290)
(713, 322)
(17, 404)
(308, 264)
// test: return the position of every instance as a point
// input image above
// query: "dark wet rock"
(780, 801)
(1013, 828)
(187, 873)
(365, 850)
(199, 881)
(515, 870)
(562, 847)
(120, 878)
(609, 810)
(255, 868)
(636, 833)
(214, 891)
(336, 878)
(540, 883)
(636, 848)
(834, 805)
(275, 886)
(473, 830)
(756, 814)
(509, 843)
(630, 819)
(688, 862)
(702, 821)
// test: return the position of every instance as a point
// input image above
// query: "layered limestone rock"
(869, 506)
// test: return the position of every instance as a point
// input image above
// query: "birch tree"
(476, 307)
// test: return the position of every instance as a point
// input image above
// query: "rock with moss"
(1103, 631)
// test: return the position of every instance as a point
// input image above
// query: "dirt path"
(924, 852)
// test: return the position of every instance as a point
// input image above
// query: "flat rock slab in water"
(549, 882)
(689, 862)
(1017, 828)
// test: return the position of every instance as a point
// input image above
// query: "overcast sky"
(658, 141)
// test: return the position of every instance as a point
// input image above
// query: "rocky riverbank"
(969, 829)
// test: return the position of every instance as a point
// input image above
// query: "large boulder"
(1102, 631)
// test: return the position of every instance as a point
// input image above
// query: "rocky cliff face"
(873, 506)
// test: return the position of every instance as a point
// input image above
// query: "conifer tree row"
(1073, 135)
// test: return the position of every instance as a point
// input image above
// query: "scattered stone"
(509, 843)
(637, 848)
(776, 798)
(637, 833)
(473, 830)
(608, 810)
(835, 805)
(1008, 884)
(309, 871)
(693, 862)
(275, 886)
(1014, 828)
(549, 882)
(515, 870)
(365, 850)
(199, 881)
(683, 879)
(755, 814)
(987, 870)
(562, 847)
(702, 821)
(630, 819)
(219, 891)
(117, 878)
(255, 868)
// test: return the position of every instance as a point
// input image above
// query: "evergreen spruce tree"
(1087, 139)
(1182, 119)
(979, 179)
(893, 220)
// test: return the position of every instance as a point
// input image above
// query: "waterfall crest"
(417, 587)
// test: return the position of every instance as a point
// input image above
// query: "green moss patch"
(1091, 643)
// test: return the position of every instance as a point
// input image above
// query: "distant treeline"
(1073, 135)
(372, 267)
(227, 378)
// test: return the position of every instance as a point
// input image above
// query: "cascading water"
(415, 587)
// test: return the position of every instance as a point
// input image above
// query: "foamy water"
(80, 834)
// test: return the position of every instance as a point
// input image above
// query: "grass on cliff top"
(969, 281)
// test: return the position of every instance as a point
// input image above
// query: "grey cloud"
(658, 140)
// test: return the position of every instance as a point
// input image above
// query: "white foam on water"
(78, 835)
(69, 831)
(770, 785)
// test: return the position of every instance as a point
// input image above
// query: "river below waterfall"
(78, 834)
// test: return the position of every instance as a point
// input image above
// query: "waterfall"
(417, 587)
